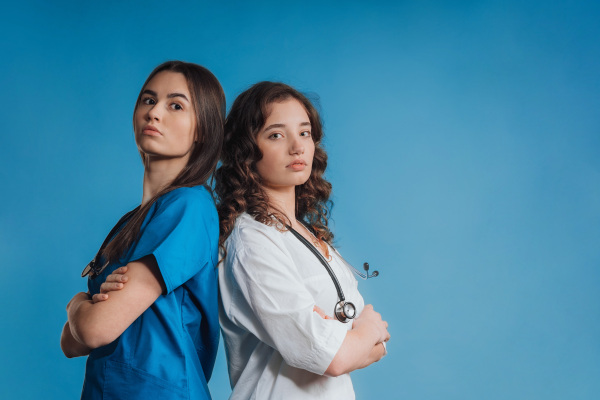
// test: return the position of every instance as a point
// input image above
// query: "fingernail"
(119, 285)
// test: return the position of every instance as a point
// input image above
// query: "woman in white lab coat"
(280, 280)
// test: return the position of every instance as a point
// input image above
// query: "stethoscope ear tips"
(366, 267)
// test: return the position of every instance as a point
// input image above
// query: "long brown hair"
(238, 184)
(208, 101)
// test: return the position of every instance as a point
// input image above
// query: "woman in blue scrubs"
(158, 335)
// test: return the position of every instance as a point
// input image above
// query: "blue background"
(464, 144)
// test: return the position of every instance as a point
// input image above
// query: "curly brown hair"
(237, 182)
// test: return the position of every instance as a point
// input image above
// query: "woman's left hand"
(114, 281)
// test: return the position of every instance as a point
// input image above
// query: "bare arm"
(97, 324)
(361, 346)
(351, 342)
(375, 355)
(70, 346)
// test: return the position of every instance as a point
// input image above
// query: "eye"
(305, 133)
(176, 106)
(148, 101)
(275, 135)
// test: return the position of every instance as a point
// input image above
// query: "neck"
(158, 174)
(283, 200)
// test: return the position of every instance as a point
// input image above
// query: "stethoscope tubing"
(92, 268)
(323, 261)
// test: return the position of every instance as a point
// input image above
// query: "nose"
(153, 113)
(296, 147)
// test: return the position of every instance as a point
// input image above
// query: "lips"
(151, 130)
(297, 165)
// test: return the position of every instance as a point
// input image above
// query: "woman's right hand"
(114, 281)
(370, 320)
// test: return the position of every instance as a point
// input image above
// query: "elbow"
(91, 335)
(70, 354)
(93, 339)
(66, 349)
(336, 368)
(70, 346)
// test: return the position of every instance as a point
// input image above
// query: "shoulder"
(191, 204)
(195, 195)
(250, 234)
(254, 248)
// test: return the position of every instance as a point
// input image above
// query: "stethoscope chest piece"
(345, 311)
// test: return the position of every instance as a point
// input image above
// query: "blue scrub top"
(169, 351)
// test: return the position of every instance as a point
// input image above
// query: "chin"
(302, 181)
(152, 148)
(149, 151)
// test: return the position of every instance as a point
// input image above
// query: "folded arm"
(71, 346)
(97, 324)
(279, 309)
(362, 345)
(354, 352)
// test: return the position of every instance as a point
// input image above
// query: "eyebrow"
(272, 126)
(169, 96)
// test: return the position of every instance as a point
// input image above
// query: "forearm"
(358, 350)
(376, 354)
(98, 324)
(92, 324)
(70, 346)
(80, 320)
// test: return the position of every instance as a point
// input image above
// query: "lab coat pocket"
(123, 381)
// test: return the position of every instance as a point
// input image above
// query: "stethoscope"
(344, 310)
(94, 268)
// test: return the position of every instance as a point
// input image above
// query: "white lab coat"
(277, 346)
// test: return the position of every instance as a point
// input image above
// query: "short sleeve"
(276, 307)
(181, 231)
